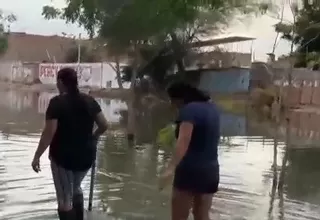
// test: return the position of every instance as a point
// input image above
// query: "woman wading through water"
(68, 130)
(195, 161)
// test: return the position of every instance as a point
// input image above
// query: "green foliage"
(5, 21)
(311, 60)
(154, 32)
(127, 21)
(166, 136)
(304, 32)
(3, 44)
(50, 12)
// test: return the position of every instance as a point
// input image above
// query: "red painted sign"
(48, 71)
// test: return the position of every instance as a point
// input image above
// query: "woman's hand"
(36, 164)
(165, 177)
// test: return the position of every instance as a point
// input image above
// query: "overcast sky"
(31, 21)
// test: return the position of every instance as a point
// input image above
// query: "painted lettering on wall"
(89, 74)
(48, 72)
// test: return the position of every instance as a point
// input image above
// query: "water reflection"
(303, 175)
(34, 104)
(251, 158)
(128, 182)
(233, 125)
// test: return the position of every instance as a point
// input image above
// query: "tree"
(5, 22)
(117, 69)
(132, 26)
(303, 32)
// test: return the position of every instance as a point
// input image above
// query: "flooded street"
(126, 186)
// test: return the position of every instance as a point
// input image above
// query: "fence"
(98, 75)
(305, 89)
(302, 93)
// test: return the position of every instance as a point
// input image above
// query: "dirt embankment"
(108, 93)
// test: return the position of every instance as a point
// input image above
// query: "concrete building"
(221, 71)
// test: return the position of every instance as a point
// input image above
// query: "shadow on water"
(262, 175)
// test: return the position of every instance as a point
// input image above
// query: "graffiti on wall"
(98, 75)
(48, 73)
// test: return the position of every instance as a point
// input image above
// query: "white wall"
(100, 75)
(109, 75)
(95, 75)
(7, 69)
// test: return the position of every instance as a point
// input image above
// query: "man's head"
(67, 80)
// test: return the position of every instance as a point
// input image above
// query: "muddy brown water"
(126, 185)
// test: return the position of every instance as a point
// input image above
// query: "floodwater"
(255, 182)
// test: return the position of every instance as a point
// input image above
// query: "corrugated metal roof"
(223, 40)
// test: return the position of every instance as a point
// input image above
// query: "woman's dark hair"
(187, 93)
(69, 79)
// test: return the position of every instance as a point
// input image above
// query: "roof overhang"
(217, 41)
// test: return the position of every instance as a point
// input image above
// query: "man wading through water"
(195, 162)
(68, 130)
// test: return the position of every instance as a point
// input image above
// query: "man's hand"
(36, 165)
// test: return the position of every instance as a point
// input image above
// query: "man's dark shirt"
(72, 146)
(198, 170)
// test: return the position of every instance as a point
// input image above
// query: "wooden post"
(92, 180)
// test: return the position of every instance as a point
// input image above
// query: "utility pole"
(79, 49)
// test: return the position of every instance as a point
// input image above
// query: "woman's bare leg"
(181, 204)
(201, 206)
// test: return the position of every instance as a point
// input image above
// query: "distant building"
(213, 57)
(36, 48)
(26, 47)
(217, 59)
(220, 71)
(225, 81)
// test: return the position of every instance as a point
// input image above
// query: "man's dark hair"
(69, 79)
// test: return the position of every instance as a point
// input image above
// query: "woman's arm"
(102, 125)
(185, 132)
(183, 141)
(50, 127)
